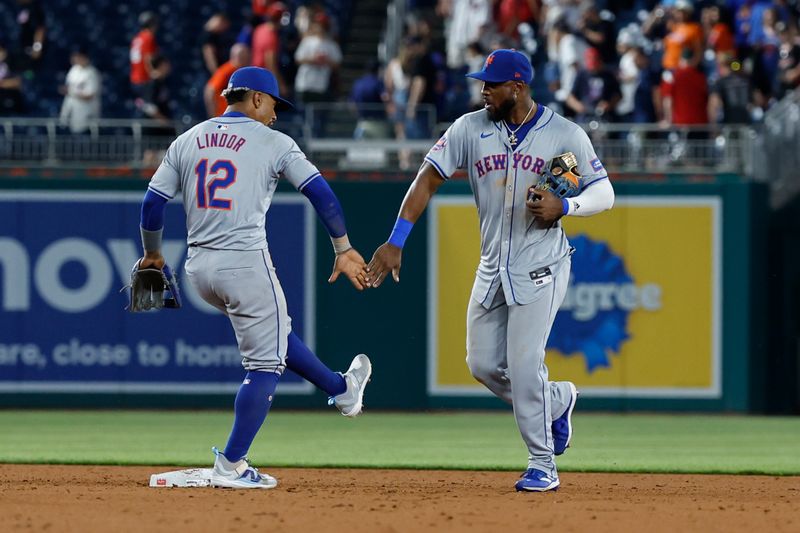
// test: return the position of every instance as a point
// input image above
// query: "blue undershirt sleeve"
(153, 207)
(327, 206)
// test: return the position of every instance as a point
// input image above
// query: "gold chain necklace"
(512, 137)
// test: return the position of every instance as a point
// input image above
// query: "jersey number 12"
(223, 173)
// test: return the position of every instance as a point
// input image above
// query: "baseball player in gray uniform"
(226, 169)
(525, 257)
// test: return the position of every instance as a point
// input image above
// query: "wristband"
(400, 232)
(341, 244)
(564, 206)
(151, 240)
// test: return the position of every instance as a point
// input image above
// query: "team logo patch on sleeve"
(440, 144)
(597, 166)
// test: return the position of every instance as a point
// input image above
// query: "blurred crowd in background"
(297, 41)
(675, 62)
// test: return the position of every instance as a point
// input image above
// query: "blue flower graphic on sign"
(593, 320)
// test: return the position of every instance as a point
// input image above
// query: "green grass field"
(474, 440)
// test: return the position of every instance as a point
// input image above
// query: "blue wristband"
(564, 206)
(400, 232)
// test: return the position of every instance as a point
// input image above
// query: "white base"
(194, 477)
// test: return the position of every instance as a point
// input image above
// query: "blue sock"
(251, 407)
(301, 360)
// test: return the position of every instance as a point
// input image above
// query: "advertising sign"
(642, 315)
(64, 258)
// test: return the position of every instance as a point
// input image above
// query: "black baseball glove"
(152, 288)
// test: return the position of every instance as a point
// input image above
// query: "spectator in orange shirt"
(215, 103)
(143, 49)
(684, 34)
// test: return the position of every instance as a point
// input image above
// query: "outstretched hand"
(544, 205)
(386, 259)
(352, 265)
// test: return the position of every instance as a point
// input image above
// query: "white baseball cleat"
(357, 376)
(238, 475)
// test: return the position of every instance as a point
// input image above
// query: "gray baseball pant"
(505, 352)
(244, 286)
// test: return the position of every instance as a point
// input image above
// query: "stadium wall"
(667, 309)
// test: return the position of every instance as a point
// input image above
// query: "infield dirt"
(100, 499)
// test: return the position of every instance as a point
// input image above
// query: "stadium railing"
(48, 142)
(653, 148)
(353, 142)
(359, 137)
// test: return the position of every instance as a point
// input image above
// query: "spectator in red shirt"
(143, 50)
(260, 7)
(511, 13)
(684, 93)
(215, 103)
(266, 44)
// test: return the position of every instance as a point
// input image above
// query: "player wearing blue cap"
(525, 257)
(226, 169)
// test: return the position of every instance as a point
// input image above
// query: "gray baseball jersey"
(513, 244)
(226, 170)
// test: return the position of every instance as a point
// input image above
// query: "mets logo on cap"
(505, 65)
(260, 80)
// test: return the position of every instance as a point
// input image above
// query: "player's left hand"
(544, 205)
(152, 260)
(153, 285)
(352, 265)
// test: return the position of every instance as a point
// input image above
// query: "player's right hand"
(386, 259)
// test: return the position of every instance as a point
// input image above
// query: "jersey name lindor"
(220, 140)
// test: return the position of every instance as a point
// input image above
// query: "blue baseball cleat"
(562, 426)
(536, 481)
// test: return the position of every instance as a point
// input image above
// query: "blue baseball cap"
(257, 79)
(505, 65)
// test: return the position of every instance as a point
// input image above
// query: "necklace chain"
(512, 138)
